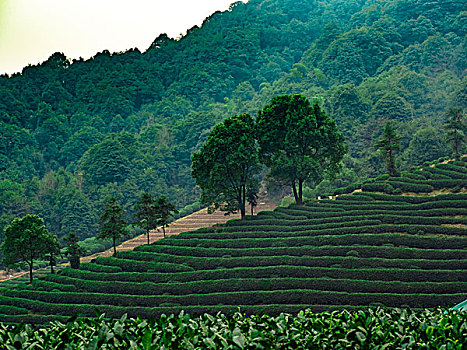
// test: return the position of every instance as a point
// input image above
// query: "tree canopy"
(147, 212)
(112, 223)
(27, 239)
(388, 145)
(226, 166)
(298, 142)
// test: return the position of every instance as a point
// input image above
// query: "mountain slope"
(72, 133)
(360, 250)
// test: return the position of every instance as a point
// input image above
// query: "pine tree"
(455, 130)
(387, 146)
(112, 224)
(147, 213)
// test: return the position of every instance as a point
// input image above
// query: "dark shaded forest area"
(74, 132)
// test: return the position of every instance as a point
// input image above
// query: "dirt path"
(191, 222)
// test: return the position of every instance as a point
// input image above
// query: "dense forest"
(73, 132)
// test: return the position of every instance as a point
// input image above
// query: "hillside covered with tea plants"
(363, 249)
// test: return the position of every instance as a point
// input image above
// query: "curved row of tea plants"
(358, 250)
(425, 179)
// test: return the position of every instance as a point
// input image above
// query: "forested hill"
(121, 123)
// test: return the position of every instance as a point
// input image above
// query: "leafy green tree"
(147, 212)
(26, 239)
(112, 224)
(105, 162)
(164, 211)
(392, 106)
(73, 250)
(298, 142)
(427, 144)
(226, 166)
(387, 146)
(52, 251)
(455, 130)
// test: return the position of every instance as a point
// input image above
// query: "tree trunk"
(300, 192)
(391, 166)
(294, 189)
(148, 236)
(51, 264)
(163, 229)
(30, 271)
(242, 202)
(115, 247)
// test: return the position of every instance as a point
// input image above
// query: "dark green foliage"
(387, 145)
(147, 213)
(298, 142)
(126, 123)
(164, 211)
(227, 165)
(122, 124)
(234, 329)
(26, 240)
(112, 224)
(73, 250)
(456, 128)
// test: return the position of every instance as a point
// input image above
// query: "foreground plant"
(369, 329)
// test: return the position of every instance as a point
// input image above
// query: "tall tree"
(226, 166)
(164, 210)
(147, 211)
(73, 250)
(26, 239)
(298, 142)
(387, 146)
(455, 128)
(52, 250)
(112, 224)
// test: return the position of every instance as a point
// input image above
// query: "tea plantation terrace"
(362, 249)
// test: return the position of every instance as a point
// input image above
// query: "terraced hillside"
(363, 249)
(448, 176)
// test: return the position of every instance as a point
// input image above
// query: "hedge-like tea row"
(100, 268)
(383, 274)
(290, 296)
(350, 261)
(419, 212)
(142, 266)
(440, 184)
(328, 250)
(413, 199)
(455, 167)
(415, 241)
(121, 293)
(356, 228)
(313, 223)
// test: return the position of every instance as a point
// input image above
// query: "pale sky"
(32, 30)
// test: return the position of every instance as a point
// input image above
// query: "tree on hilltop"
(298, 142)
(225, 168)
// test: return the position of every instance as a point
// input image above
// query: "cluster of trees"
(75, 132)
(27, 239)
(297, 141)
